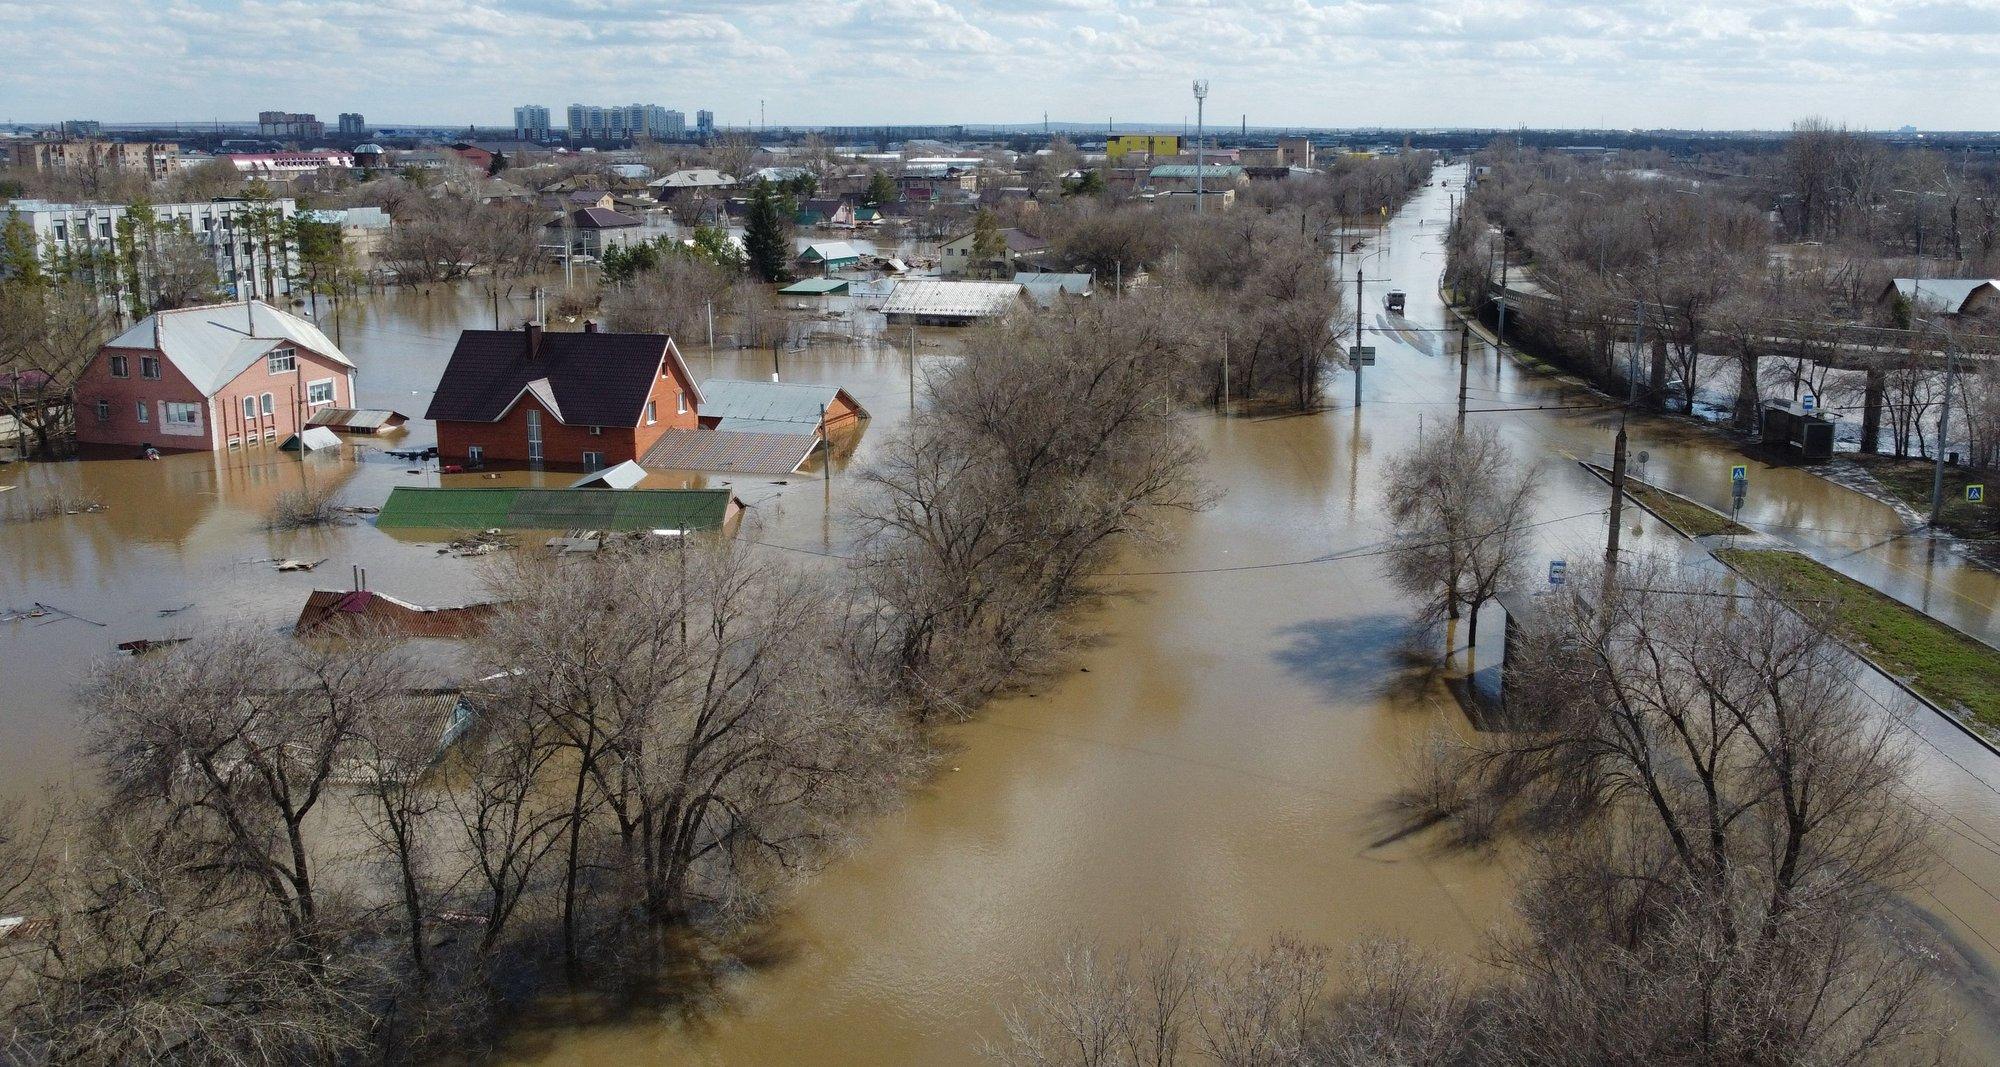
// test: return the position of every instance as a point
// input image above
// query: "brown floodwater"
(1213, 764)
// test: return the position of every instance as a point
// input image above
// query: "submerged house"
(209, 378)
(530, 396)
(830, 255)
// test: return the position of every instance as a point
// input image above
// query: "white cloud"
(1287, 62)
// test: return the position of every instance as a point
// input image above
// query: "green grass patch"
(1948, 667)
(1910, 481)
(1689, 517)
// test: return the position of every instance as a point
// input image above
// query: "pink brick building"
(210, 378)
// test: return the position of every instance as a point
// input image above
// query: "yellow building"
(1153, 144)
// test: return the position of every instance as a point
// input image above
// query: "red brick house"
(209, 378)
(587, 399)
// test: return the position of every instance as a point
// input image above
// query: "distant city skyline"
(1755, 64)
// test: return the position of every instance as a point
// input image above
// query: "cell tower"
(1200, 147)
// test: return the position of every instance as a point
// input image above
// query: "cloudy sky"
(1685, 63)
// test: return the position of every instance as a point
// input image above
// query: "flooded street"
(1214, 763)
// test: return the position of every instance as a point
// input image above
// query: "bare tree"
(49, 335)
(235, 738)
(1050, 445)
(1460, 504)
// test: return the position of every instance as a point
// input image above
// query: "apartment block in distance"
(531, 123)
(154, 159)
(289, 124)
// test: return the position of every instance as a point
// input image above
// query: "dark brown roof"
(599, 218)
(341, 608)
(730, 450)
(594, 379)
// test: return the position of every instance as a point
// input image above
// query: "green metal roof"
(816, 287)
(555, 509)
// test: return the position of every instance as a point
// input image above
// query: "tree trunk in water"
(1871, 412)
(1747, 391)
(1659, 386)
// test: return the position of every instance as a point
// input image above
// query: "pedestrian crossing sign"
(1739, 473)
(1975, 493)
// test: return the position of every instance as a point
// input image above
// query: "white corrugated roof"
(213, 344)
(962, 299)
(622, 476)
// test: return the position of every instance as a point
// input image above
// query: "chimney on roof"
(534, 340)
(590, 326)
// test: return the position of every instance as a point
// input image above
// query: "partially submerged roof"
(1043, 289)
(815, 287)
(731, 450)
(214, 343)
(311, 439)
(368, 609)
(1018, 241)
(366, 420)
(829, 251)
(621, 476)
(969, 300)
(585, 379)
(519, 508)
(796, 403)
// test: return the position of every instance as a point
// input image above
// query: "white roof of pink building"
(214, 343)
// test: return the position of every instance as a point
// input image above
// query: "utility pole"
(1944, 428)
(1357, 338)
(1225, 375)
(1617, 506)
(1500, 337)
(1464, 368)
(1200, 149)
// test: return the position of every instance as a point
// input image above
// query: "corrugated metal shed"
(730, 450)
(952, 300)
(517, 508)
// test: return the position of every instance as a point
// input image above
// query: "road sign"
(1362, 355)
(1558, 571)
(1739, 474)
(1644, 455)
(1806, 402)
(1975, 493)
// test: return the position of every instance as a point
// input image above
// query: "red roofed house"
(590, 399)
(211, 377)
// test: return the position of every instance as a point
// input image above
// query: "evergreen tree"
(881, 189)
(764, 237)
